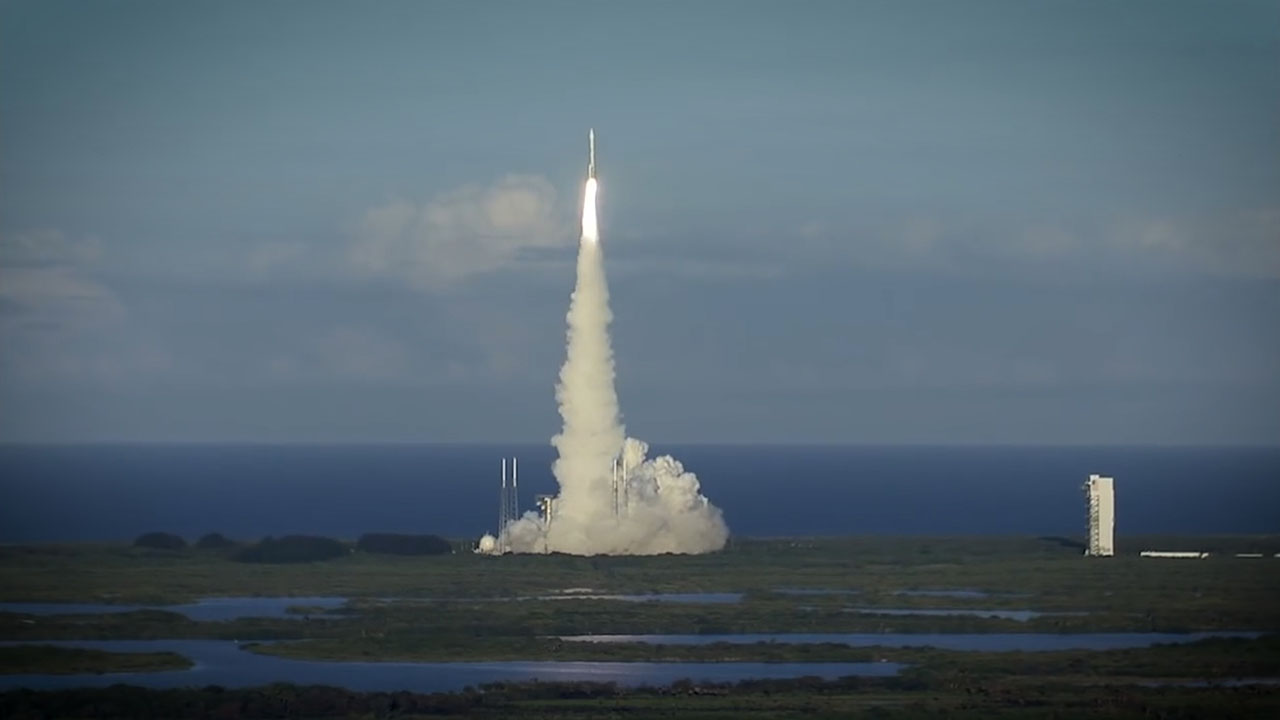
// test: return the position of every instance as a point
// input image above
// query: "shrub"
(160, 541)
(215, 541)
(291, 549)
(393, 544)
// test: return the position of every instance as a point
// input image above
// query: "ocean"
(116, 492)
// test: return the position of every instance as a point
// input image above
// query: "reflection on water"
(709, 598)
(957, 593)
(206, 609)
(991, 642)
(814, 591)
(223, 663)
(1019, 615)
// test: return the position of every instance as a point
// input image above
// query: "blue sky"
(862, 222)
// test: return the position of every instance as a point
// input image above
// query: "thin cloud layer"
(860, 223)
(1243, 243)
(459, 234)
(44, 283)
(55, 315)
(1239, 243)
(47, 247)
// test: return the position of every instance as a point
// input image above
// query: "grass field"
(1052, 569)
(47, 659)
(756, 700)
(469, 607)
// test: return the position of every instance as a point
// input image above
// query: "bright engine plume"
(613, 500)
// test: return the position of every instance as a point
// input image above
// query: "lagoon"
(206, 609)
(223, 663)
(986, 642)
(1019, 615)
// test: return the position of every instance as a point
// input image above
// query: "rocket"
(591, 153)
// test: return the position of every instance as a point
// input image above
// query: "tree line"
(299, 548)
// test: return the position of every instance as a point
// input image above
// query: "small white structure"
(547, 511)
(546, 508)
(1173, 554)
(1101, 494)
(488, 545)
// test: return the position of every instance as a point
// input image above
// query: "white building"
(1101, 493)
(1196, 555)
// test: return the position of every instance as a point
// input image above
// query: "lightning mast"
(502, 511)
(508, 505)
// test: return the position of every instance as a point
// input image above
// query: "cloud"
(1240, 243)
(695, 269)
(45, 284)
(58, 322)
(265, 259)
(54, 297)
(361, 353)
(343, 352)
(47, 247)
(464, 232)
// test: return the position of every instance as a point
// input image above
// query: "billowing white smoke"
(657, 507)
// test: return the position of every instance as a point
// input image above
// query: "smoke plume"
(613, 499)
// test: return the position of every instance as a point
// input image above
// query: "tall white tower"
(508, 508)
(1101, 493)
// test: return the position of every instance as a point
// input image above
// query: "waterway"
(1019, 615)
(206, 609)
(986, 642)
(219, 662)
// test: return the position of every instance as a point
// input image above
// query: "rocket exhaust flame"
(590, 232)
(664, 510)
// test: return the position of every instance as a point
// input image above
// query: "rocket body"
(590, 233)
(591, 153)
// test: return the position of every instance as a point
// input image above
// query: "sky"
(824, 222)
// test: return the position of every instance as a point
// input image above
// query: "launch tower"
(1101, 494)
(508, 507)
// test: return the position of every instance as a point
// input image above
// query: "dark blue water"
(117, 492)
(214, 609)
(218, 662)
(985, 642)
(1018, 615)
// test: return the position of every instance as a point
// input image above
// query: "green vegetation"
(291, 549)
(392, 544)
(155, 625)
(461, 606)
(51, 660)
(1020, 572)
(470, 606)
(160, 541)
(519, 621)
(891, 698)
(215, 541)
(472, 596)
